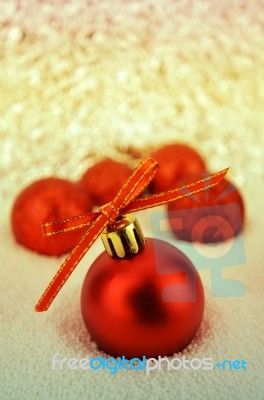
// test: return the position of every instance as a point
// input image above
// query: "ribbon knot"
(110, 211)
(126, 200)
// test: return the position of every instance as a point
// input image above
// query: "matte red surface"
(211, 216)
(124, 302)
(175, 162)
(104, 179)
(47, 200)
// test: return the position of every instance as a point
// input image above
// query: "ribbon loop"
(125, 201)
(136, 183)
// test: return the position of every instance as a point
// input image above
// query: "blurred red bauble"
(104, 179)
(175, 162)
(47, 200)
(211, 216)
(148, 304)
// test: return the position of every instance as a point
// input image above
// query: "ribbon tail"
(71, 263)
(175, 194)
(69, 224)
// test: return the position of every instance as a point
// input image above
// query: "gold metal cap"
(123, 238)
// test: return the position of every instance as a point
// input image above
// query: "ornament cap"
(124, 237)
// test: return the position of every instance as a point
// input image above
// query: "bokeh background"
(80, 80)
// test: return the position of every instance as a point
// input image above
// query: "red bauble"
(46, 200)
(211, 216)
(103, 180)
(175, 162)
(148, 304)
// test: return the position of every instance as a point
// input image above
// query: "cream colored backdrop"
(80, 80)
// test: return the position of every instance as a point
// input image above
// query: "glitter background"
(83, 79)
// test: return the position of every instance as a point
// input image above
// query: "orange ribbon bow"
(125, 201)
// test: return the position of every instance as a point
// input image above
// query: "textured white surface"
(82, 79)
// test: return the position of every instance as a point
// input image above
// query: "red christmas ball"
(211, 216)
(103, 180)
(47, 200)
(148, 304)
(175, 161)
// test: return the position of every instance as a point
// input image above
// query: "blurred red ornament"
(149, 304)
(103, 180)
(211, 216)
(175, 161)
(48, 199)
